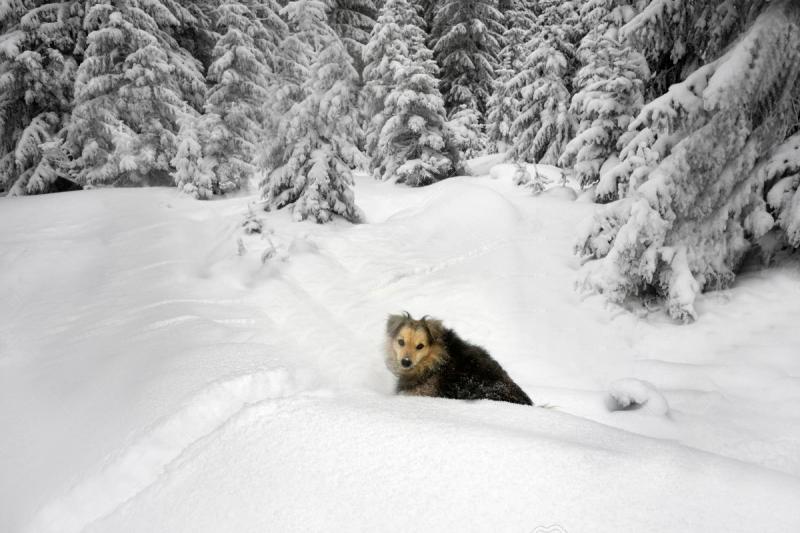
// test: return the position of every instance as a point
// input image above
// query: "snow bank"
(144, 461)
(155, 374)
(373, 463)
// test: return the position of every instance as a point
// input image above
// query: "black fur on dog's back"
(470, 373)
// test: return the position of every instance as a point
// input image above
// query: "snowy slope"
(152, 379)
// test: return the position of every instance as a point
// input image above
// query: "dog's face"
(411, 345)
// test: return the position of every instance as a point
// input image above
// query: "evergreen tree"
(610, 86)
(427, 10)
(194, 173)
(505, 103)
(780, 174)
(352, 20)
(197, 34)
(175, 19)
(408, 140)
(131, 89)
(466, 41)
(678, 35)
(388, 48)
(242, 77)
(308, 161)
(696, 205)
(545, 125)
(468, 138)
(40, 47)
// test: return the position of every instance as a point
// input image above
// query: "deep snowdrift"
(153, 379)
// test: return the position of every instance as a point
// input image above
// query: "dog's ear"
(434, 327)
(394, 322)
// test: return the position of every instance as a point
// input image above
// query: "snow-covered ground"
(154, 379)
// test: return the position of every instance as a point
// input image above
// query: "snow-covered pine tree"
(309, 159)
(242, 77)
(352, 20)
(40, 45)
(536, 182)
(466, 131)
(466, 41)
(545, 125)
(175, 19)
(197, 33)
(505, 103)
(609, 90)
(292, 71)
(425, 9)
(408, 140)
(194, 173)
(780, 174)
(696, 207)
(388, 48)
(132, 87)
(677, 36)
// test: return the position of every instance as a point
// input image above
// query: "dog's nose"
(406, 362)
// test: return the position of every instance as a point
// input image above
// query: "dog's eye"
(420, 346)
(401, 342)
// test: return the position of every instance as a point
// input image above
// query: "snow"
(154, 379)
(630, 393)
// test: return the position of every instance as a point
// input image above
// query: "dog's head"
(412, 345)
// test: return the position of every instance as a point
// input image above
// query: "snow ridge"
(143, 462)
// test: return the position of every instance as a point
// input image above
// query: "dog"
(431, 360)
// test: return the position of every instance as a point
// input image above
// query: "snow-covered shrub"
(252, 223)
(194, 173)
(692, 204)
(536, 182)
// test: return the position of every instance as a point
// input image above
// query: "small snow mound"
(476, 210)
(561, 193)
(630, 394)
(481, 166)
(587, 196)
(503, 171)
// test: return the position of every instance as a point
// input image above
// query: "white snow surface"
(153, 379)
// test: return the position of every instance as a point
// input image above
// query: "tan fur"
(413, 333)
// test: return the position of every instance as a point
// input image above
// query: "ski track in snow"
(158, 349)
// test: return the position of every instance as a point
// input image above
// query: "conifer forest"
(681, 116)
(399, 265)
